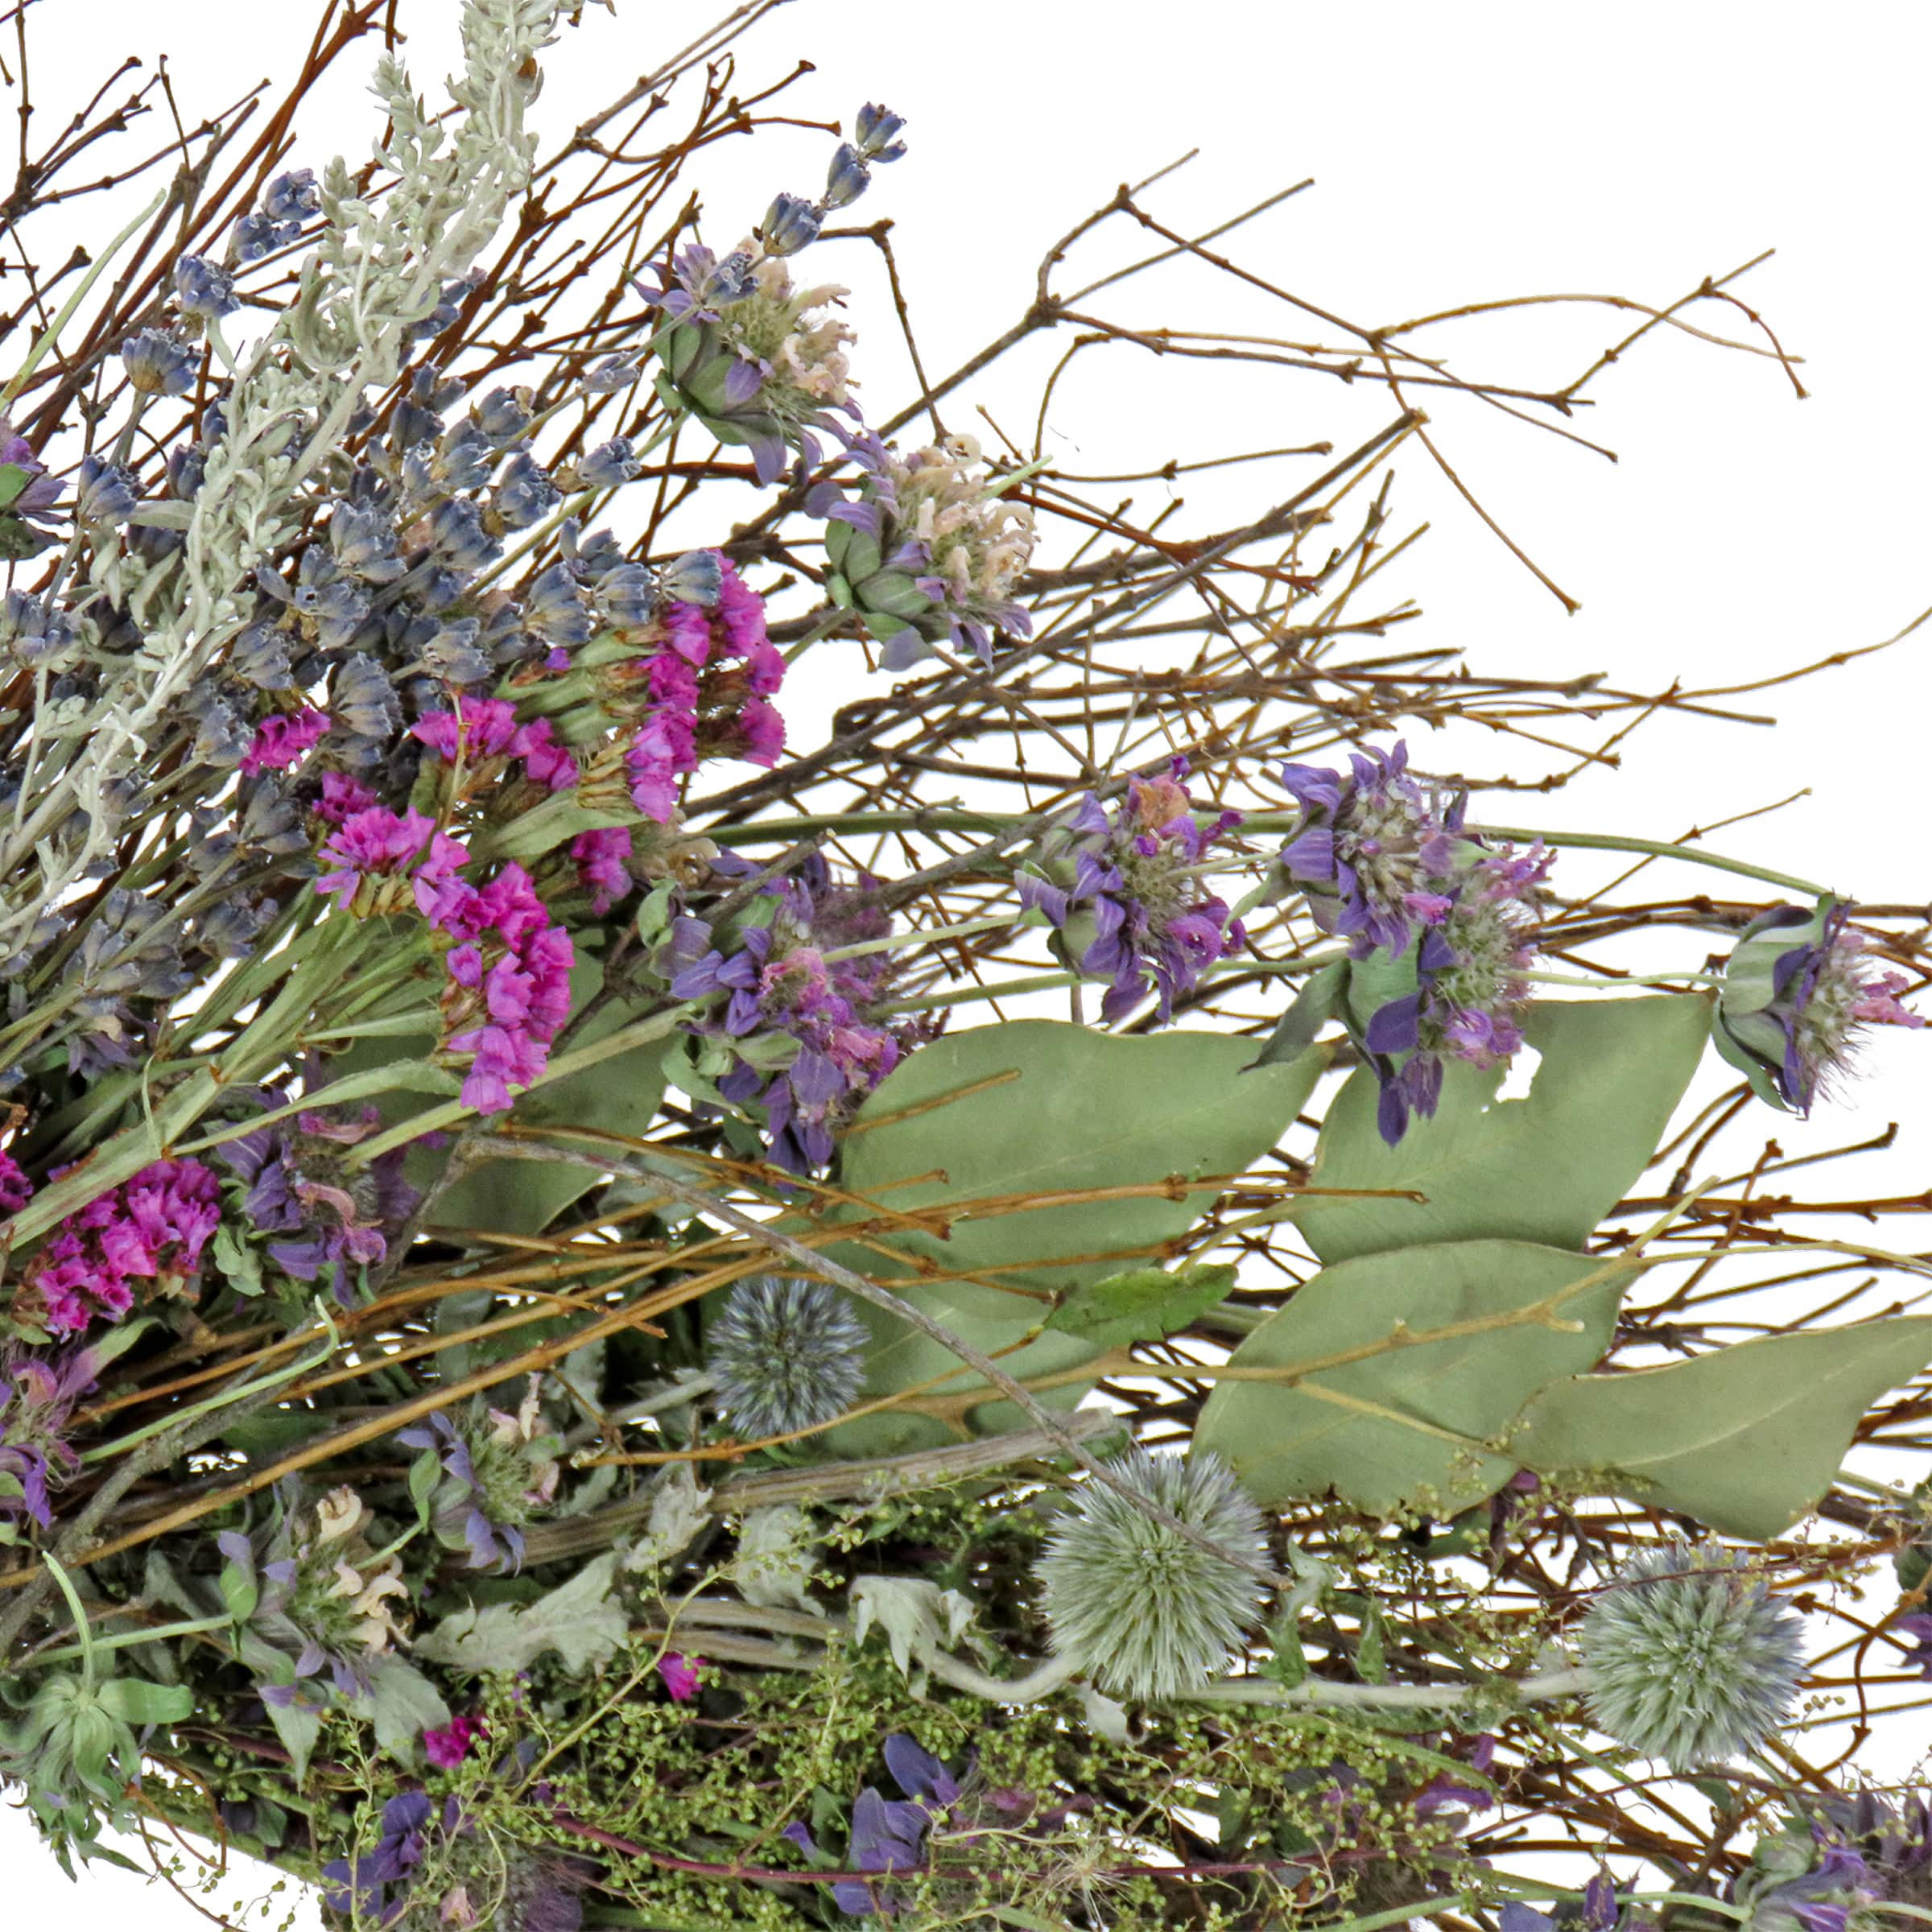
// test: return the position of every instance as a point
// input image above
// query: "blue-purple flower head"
(205, 289)
(1384, 861)
(38, 1397)
(286, 205)
(500, 1470)
(158, 364)
(1833, 1859)
(786, 1356)
(373, 1886)
(889, 1835)
(1128, 894)
(756, 361)
(325, 1600)
(29, 498)
(1796, 995)
(1372, 847)
(931, 550)
(320, 1218)
(1470, 999)
(802, 1036)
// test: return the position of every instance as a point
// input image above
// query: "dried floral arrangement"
(615, 1319)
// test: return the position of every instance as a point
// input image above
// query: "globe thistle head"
(1692, 1660)
(1147, 1612)
(786, 1356)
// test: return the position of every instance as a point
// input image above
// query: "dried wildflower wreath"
(959, 1327)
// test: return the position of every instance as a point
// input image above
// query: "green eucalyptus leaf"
(1142, 1305)
(1746, 1439)
(1386, 1417)
(1545, 1168)
(1039, 1107)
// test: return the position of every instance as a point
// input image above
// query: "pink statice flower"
(342, 794)
(546, 762)
(760, 732)
(681, 1675)
(447, 1747)
(379, 843)
(600, 859)
(152, 1227)
(16, 1189)
(509, 987)
(285, 739)
(482, 727)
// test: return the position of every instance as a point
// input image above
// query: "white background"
(1459, 153)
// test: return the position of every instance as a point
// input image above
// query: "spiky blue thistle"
(786, 1356)
(1147, 1612)
(1692, 1660)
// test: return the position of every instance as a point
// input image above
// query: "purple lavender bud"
(462, 460)
(205, 288)
(873, 129)
(106, 493)
(526, 495)
(697, 577)
(503, 414)
(847, 179)
(613, 374)
(790, 223)
(157, 365)
(609, 465)
(457, 534)
(255, 236)
(555, 608)
(32, 635)
(292, 196)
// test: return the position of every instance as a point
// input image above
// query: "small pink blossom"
(447, 1748)
(153, 1227)
(601, 868)
(680, 1675)
(282, 740)
(484, 727)
(341, 795)
(760, 732)
(545, 762)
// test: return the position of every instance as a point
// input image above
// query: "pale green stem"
(1043, 982)
(451, 1113)
(159, 1633)
(894, 941)
(49, 334)
(85, 1647)
(1380, 1697)
(1884, 1491)
(1603, 841)
(1626, 979)
(675, 1396)
(823, 628)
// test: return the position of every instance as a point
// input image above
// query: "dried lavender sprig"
(376, 271)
